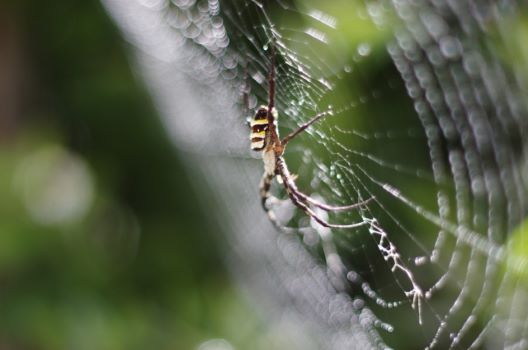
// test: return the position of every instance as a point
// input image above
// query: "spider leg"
(265, 185)
(271, 79)
(303, 127)
(299, 199)
(304, 207)
(327, 207)
(315, 202)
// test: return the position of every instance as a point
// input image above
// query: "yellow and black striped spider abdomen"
(259, 129)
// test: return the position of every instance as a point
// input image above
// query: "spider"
(265, 137)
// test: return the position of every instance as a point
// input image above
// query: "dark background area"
(102, 243)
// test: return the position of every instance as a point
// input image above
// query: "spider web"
(428, 117)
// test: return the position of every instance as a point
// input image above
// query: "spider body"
(270, 161)
(264, 137)
(259, 129)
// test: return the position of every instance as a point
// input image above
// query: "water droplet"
(352, 276)
(364, 49)
(420, 260)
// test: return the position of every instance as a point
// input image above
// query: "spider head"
(262, 113)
